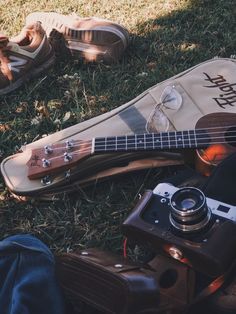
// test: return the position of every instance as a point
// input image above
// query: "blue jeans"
(27, 278)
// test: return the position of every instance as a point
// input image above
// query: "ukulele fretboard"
(153, 141)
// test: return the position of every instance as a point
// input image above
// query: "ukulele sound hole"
(230, 136)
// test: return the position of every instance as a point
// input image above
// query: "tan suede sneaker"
(92, 38)
(24, 57)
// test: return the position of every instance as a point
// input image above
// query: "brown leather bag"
(107, 282)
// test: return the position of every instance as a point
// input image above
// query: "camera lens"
(188, 203)
(189, 211)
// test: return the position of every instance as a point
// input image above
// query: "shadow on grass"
(184, 38)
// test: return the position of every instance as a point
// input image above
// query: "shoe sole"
(34, 72)
(104, 39)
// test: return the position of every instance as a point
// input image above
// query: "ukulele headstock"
(58, 157)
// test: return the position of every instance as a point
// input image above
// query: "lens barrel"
(189, 211)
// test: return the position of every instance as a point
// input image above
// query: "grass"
(167, 37)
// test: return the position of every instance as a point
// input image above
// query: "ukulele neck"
(152, 141)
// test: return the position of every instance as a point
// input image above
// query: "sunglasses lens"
(171, 98)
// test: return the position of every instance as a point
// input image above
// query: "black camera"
(189, 227)
(193, 239)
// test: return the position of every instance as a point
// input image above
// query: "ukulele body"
(217, 123)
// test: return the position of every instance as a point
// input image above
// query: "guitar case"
(174, 104)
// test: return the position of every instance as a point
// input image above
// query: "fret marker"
(179, 139)
(140, 141)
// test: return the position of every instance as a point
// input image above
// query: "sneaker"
(93, 39)
(24, 57)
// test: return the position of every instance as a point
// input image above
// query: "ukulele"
(214, 138)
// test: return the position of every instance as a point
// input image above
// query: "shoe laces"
(4, 58)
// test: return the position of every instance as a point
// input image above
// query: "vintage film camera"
(193, 239)
(189, 227)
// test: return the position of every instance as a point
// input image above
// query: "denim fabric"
(27, 278)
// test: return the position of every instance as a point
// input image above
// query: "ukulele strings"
(231, 134)
(165, 145)
(172, 133)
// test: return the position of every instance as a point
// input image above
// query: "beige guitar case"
(175, 104)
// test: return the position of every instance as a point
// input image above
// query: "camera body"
(184, 224)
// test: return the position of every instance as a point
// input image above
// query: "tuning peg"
(46, 180)
(46, 163)
(67, 174)
(48, 149)
(67, 157)
(69, 144)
